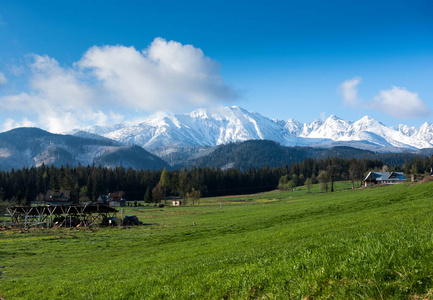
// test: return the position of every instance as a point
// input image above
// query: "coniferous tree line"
(88, 182)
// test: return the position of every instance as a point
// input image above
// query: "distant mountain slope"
(131, 156)
(217, 126)
(88, 135)
(249, 154)
(26, 147)
(178, 156)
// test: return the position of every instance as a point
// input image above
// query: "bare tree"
(333, 172)
(194, 195)
(323, 178)
(353, 173)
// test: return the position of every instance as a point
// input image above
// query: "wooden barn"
(116, 199)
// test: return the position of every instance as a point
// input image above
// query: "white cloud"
(59, 99)
(17, 70)
(106, 119)
(349, 91)
(3, 79)
(400, 103)
(397, 102)
(167, 75)
(62, 87)
(110, 80)
(11, 124)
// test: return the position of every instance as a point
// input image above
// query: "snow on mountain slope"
(222, 125)
(425, 133)
(294, 127)
(202, 127)
(366, 129)
(406, 130)
(309, 127)
(333, 128)
(389, 135)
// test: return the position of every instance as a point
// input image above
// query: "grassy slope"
(370, 244)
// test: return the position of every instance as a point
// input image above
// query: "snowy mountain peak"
(366, 122)
(406, 130)
(293, 126)
(199, 113)
(221, 125)
(333, 117)
(367, 118)
(426, 127)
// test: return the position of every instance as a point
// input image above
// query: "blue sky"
(65, 64)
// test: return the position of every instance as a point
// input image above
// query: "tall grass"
(362, 244)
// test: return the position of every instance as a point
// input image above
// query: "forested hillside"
(262, 153)
(27, 147)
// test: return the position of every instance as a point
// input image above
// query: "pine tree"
(183, 183)
(148, 196)
(158, 193)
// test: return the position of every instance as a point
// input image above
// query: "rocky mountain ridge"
(217, 126)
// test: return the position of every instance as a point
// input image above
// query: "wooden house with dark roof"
(58, 197)
(374, 178)
(116, 199)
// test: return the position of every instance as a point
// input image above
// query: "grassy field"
(364, 244)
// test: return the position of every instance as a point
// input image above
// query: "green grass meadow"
(350, 244)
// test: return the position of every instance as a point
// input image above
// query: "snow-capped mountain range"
(216, 126)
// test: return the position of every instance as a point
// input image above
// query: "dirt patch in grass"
(426, 179)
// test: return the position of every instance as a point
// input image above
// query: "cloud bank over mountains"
(397, 101)
(113, 83)
(110, 80)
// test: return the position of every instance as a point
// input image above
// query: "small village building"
(58, 197)
(102, 199)
(177, 203)
(116, 199)
(54, 197)
(39, 200)
(374, 178)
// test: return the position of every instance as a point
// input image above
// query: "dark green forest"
(88, 182)
(262, 153)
